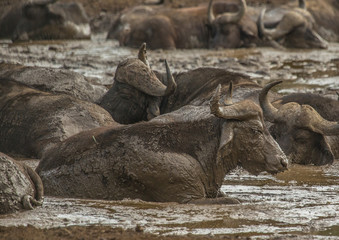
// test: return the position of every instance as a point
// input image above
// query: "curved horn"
(234, 17)
(171, 84)
(214, 103)
(270, 112)
(328, 128)
(239, 111)
(211, 16)
(311, 118)
(261, 24)
(142, 54)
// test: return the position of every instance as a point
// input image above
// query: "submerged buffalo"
(38, 20)
(194, 27)
(21, 187)
(136, 91)
(291, 27)
(303, 134)
(180, 157)
(32, 120)
(54, 80)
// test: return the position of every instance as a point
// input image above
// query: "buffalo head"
(231, 29)
(296, 29)
(136, 92)
(247, 138)
(299, 130)
(51, 20)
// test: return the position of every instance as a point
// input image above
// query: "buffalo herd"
(156, 136)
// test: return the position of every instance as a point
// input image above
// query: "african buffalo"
(291, 27)
(182, 156)
(303, 134)
(21, 187)
(193, 27)
(135, 93)
(32, 120)
(54, 80)
(326, 15)
(38, 20)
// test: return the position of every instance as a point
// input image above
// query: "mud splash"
(304, 202)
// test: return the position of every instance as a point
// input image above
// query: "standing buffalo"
(45, 20)
(301, 132)
(194, 27)
(32, 120)
(291, 27)
(182, 156)
(20, 186)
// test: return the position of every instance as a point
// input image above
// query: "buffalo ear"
(225, 146)
(321, 153)
(227, 135)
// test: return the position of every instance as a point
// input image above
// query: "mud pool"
(302, 202)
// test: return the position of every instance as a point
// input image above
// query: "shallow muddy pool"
(302, 202)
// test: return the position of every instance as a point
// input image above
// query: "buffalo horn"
(325, 127)
(211, 16)
(234, 17)
(171, 84)
(238, 111)
(228, 99)
(142, 55)
(270, 112)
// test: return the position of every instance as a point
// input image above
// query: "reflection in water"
(302, 201)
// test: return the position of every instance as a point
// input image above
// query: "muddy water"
(302, 202)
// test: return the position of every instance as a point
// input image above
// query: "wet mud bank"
(301, 203)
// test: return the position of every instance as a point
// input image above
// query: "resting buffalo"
(303, 134)
(54, 80)
(45, 20)
(182, 156)
(136, 91)
(292, 27)
(129, 101)
(163, 27)
(326, 14)
(32, 120)
(21, 187)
